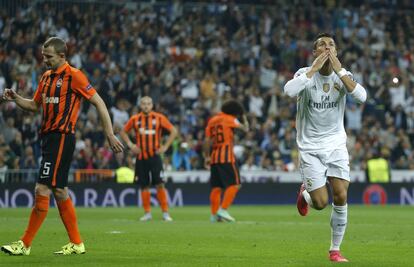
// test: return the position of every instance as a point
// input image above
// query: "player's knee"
(340, 198)
(60, 194)
(320, 204)
(160, 185)
(41, 189)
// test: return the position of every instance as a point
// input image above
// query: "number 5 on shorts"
(46, 170)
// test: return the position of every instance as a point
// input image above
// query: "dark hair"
(232, 107)
(57, 43)
(323, 34)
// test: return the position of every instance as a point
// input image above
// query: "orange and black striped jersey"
(148, 131)
(220, 129)
(60, 93)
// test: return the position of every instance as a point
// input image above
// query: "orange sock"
(162, 198)
(68, 216)
(215, 198)
(146, 200)
(229, 196)
(37, 217)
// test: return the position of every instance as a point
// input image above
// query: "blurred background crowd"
(191, 56)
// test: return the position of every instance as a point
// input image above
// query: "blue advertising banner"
(181, 194)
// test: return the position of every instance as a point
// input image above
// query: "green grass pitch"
(262, 236)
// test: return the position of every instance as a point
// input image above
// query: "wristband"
(342, 73)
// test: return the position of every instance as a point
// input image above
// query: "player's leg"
(215, 193)
(39, 213)
(339, 217)
(231, 179)
(157, 174)
(163, 200)
(338, 173)
(215, 199)
(59, 173)
(146, 204)
(37, 216)
(68, 215)
(50, 149)
(143, 181)
(313, 192)
(319, 197)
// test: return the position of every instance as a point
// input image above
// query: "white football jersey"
(320, 111)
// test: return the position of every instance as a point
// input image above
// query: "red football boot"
(335, 255)
(301, 203)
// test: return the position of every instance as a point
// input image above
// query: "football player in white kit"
(321, 91)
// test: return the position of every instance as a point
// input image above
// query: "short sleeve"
(81, 85)
(130, 123)
(165, 123)
(233, 122)
(38, 93)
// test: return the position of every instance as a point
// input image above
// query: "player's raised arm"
(244, 126)
(23, 103)
(297, 84)
(115, 144)
(356, 90)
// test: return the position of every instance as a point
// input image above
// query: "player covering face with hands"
(58, 96)
(321, 91)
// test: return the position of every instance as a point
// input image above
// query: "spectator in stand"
(203, 62)
(182, 157)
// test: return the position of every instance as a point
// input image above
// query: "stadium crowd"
(190, 58)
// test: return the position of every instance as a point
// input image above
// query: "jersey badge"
(59, 82)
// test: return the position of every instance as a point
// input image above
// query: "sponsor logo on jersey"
(323, 105)
(52, 100)
(146, 132)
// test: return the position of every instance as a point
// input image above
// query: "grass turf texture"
(262, 236)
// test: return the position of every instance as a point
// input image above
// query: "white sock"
(339, 219)
(308, 198)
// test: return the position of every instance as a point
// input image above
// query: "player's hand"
(135, 149)
(9, 94)
(115, 144)
(246, 122)
(161, 150)
(207, 163)
(336, 64)
(319, 61)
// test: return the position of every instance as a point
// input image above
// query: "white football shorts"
(315, 167)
